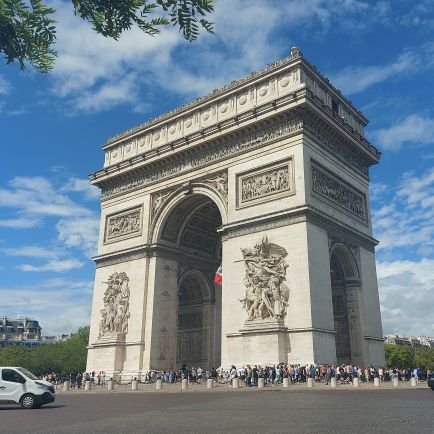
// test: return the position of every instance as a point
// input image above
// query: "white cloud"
(78, 185)
(20, 223)
(407, 218)
(79, 232)
(377, 189)
(31, 251)
(354, 79)
(55, 265)
(60, 305)
(419, 14)
(94, 73)
(415, 130)
(405, 287)
(4, 86)
(74, 228)
(36, 196)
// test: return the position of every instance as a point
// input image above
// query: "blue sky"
(379, 53)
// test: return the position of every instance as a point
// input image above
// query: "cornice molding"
(298, 215)
(263, 133)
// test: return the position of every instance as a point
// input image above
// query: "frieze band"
(219, 150)
(333, 190)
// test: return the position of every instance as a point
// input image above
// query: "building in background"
(25, 332)
(20, 331)
(414, 342)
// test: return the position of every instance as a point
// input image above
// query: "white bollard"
(413, 382)
(134, 385)
(235, 383)
(310, 382)
(286, 382)
(355, 382)
(261, 383)
(376, 382)
(209, 383)
(87, 385)
(395, 382)
(159, 384)
(110, 385)
(184, 384)
(333, 382)
(65, 386)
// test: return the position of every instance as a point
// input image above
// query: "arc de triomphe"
(267, 176)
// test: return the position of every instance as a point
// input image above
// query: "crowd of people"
(76, 379)
(276, 373)
(249, 375)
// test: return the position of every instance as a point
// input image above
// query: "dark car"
(430, 381)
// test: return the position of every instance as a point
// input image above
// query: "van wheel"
(28, 401)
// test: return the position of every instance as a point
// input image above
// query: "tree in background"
(398, 356)
(28, 31)
(424, 359)
(62, 358)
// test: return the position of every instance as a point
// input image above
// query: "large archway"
(189, 229)
(345, 285)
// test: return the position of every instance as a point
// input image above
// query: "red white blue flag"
(218, 276)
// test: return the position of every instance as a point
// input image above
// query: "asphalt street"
(268, 411)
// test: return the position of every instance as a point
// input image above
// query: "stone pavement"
(300, 411)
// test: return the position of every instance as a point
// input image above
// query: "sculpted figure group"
(266, 296)
(124, 224)
(115, 314)
(263, 185)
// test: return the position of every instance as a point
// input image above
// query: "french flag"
(218, 279)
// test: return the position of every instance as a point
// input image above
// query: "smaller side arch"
(207, 292)
(346, 260)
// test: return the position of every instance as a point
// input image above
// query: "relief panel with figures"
(266, 183)
(123, 225)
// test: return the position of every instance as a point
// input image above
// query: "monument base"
(110, 338)
(259, 342)
(108, 348)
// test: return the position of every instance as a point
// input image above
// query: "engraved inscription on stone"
(123, 225)
(335, 190)
(265, 183)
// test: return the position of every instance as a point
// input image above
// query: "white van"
(22, 387)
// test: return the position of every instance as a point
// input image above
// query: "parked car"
(20, 386)
(430, 381)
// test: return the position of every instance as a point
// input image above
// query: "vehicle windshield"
(27, 373)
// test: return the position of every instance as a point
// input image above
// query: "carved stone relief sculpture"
(266, 295)
(219, 182)
(115, 314)
(335, 191)
(158, 200)
(265, 183)
(123, 225)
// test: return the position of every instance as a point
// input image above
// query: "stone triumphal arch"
(267, 176)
